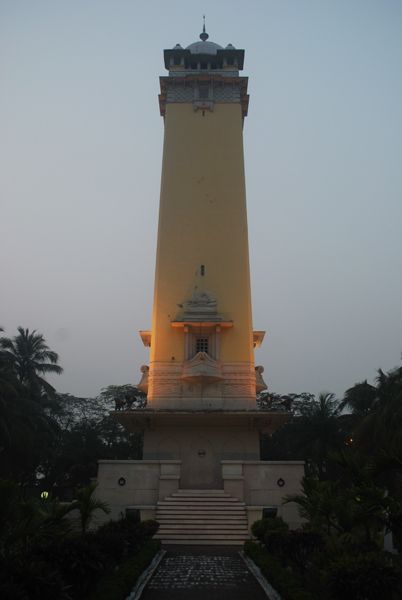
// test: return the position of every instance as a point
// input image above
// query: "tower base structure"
(199, 451)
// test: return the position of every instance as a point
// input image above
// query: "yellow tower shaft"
(202, 228)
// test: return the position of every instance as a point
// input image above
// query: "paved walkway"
(200, 573)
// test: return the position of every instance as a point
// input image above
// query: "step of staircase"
(202, 517)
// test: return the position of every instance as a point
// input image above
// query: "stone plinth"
(136, 484)
(263, 484)
(259, 484)
(201, 439)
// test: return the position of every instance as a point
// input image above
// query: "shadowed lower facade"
(201, 425)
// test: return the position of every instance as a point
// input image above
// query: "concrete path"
(203, 573)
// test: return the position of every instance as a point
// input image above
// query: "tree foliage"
(126, 396)
(43, 557)
(29, 357)
(27, 430)
(63, 436)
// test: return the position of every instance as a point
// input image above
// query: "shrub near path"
(307, 565)
(41, 558)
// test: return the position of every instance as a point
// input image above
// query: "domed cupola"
(204, 47)
(204, 55)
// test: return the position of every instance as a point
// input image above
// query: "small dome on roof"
(204, 48)
(178, 47)
(230, 47)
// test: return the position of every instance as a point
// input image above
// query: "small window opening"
(204, 65)
(201, 344)
(203, 270)
(193, 65)
(176, 60)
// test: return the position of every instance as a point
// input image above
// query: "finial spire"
(204, 36)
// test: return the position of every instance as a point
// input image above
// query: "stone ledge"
(263, 462)
(140, 461)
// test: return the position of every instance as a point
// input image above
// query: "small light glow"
(44, 495)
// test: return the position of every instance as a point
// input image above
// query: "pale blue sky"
(80, 159)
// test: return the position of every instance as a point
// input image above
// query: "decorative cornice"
(202, 324)
(189, 80)
(258, 337)
(146, 337)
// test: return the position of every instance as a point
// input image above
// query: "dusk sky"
(80, 161)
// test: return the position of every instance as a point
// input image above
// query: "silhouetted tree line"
(49, 440)
(352, 448)
(351, 495)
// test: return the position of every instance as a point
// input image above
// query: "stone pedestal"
(140, 484)
(125, 484)
(201, 439)
(265, 484)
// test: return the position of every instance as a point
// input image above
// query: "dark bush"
(118, 585)
(294, 547)
(40, 558)
(139, 533)
(117, 539)
(285, 581)
(261, 527)
(148, 528)
(396, 528)
(302, 546)
(277, 542)
(364, 577)
(111, 540)
(30, 578)
(112, 544)
(79, 560)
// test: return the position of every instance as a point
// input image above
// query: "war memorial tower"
(201, 424)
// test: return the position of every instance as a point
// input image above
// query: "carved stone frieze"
(201, 377)
(177, 92)
(202, 305)
(164, 380)
(202, 369)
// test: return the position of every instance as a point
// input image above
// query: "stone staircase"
(202, 517)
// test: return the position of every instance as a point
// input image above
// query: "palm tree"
(383, 423)
(318, 430)
(27, 432)
(389, 386)
(360, 398)
(8, 394)
(357, 512)
(379, 434)
(87, 504)
(30, 357)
